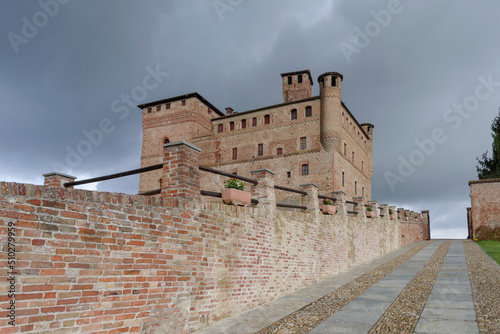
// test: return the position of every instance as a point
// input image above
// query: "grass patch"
(492, 248)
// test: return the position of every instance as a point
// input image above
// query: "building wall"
(485, 203)
(90, 261)
(330, 118)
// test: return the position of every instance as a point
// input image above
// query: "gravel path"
(308, 317)
(403, 314)
(484, 275)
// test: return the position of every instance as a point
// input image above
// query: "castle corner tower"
(330, 87)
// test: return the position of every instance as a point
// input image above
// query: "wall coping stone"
(182, 142)
(309, 184)
(262, 170)
(59, 174)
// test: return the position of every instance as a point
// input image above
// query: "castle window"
(343, 179)
(293, 114)
(300, 78)
(288, 174)
(183, 103)
(290, 80)
(267, 119)
(279, 151)
(355, 187)
(254, 121)
(305, 169)
(167, 106)
(243, 123)
(231, 126)
(166, 141)
(303, 143)
(158, 108)
(308, 111)
(362, 166)
(345, 149)
(334, 82)
(352, 156)
(149, 110)
(220, 128)
(235, 153)
(260, 150)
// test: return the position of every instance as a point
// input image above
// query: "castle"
(305, 139)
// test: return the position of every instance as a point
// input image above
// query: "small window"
(305, 169)
(343, 179)
(345, 149)
(231, 126)
(167, 106)
(355, 187)
(267, 119)
(362, 166)
(166, 141)
(334, 82)
(158, 108)
(352, 156)
(300, 78)
(149, 110)
(254, 121)
(303, 143)
(235, 153)
(260, 150)
(183, 103)
(288, 174)
(220, 128)
(309, 111)
(290, 80)
(293, 114)
(279, 151)
(363, 191)
(243, 123)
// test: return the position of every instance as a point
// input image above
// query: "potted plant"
(369, 212)
(233, 193)
(391, 214)
(328, 208)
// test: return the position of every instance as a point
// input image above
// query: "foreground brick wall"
(485, 203)
(91, 261)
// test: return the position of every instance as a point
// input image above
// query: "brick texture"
(485, 204)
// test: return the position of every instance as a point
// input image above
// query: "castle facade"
(305, 139)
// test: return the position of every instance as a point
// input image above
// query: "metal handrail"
(351, 202)
(282, 205)
(290, 190)
(114, 176)
(219, 172)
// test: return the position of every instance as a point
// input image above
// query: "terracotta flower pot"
(370, 214)
(236, 197)
(328, 209)
(392, 217)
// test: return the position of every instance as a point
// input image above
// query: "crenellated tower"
(297, 85)
(330, 87)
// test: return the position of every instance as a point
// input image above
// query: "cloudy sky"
(425, 73)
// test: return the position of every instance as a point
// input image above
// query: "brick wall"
(100, 262)
(485, 203)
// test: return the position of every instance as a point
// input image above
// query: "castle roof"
(182, 97)
(299, 72)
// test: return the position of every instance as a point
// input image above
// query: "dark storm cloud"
(424, 58)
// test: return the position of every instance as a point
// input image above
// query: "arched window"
(293, 114)
(231, 126)
(166, 141)
(279, 151)
(243, 123)
(267, 119)
(220, 128)
(254, 121)
(308, 111)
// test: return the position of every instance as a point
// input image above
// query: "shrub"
(487, 233)
(327, 201)
(234, 183)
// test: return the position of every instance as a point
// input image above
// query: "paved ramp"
(421, 288)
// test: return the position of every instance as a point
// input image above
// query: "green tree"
(489, 168)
